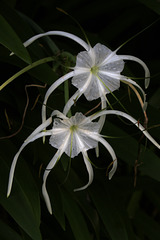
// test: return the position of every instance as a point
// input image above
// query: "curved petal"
(46, 173)
(135, 59)
(130, 118)
(51, 89)
(71, 101)
(58, 114)
(126, 80)
(113, 155)
(40, 128)
(14, 162)
(49, 167)
(101, 121)
(77, 95)
(89, 169)
(58, 33)
(98, 138)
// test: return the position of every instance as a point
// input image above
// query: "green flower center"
(73, 128)
(94, 70)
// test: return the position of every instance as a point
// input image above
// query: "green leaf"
(37, 30)
(110, 215)
(56, 201)
(7, 233)
(89, 211)
(75, 218)
(10, 40)
(23, 204)
(147, 226)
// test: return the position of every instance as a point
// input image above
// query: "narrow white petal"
(147, 73)
(12, 169)
(40, 128)
(71, 102)
(59, 114)
(135, 84)
(49, 167)
(113, 155)
(130, 118)
(110, 150)
(46, 173)
(101, 121)
(89, 169)
(51, 89)
(77, 95)
(58, 33)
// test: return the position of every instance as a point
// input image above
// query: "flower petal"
(71, 102)
(98, 138)
(109, 83)
(147, 73)
(49, 167)
(40, 128)
(130, 118)
(113, 155)
(101, 120)
(101, 53)
(79, 80)
(14, 162)
(135, 84)
(51, 89)
(58, 33)
(59, 134)
(89, 169)
(83, 60)
(46, 173)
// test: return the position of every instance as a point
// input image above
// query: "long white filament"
(130, 118)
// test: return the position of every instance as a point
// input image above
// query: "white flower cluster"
(97, 73)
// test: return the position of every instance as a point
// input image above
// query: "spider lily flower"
(97, 72)
(72, 136)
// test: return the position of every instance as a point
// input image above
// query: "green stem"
(27, 68)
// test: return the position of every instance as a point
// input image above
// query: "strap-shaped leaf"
(75, 218)
(10, 40)
(8, 233)
(110, 215)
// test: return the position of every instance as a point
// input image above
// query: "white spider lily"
(72, 136)
(97, 72)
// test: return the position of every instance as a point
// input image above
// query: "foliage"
(126, 207)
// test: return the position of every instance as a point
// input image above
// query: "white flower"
(72, 136)
(97, 72)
